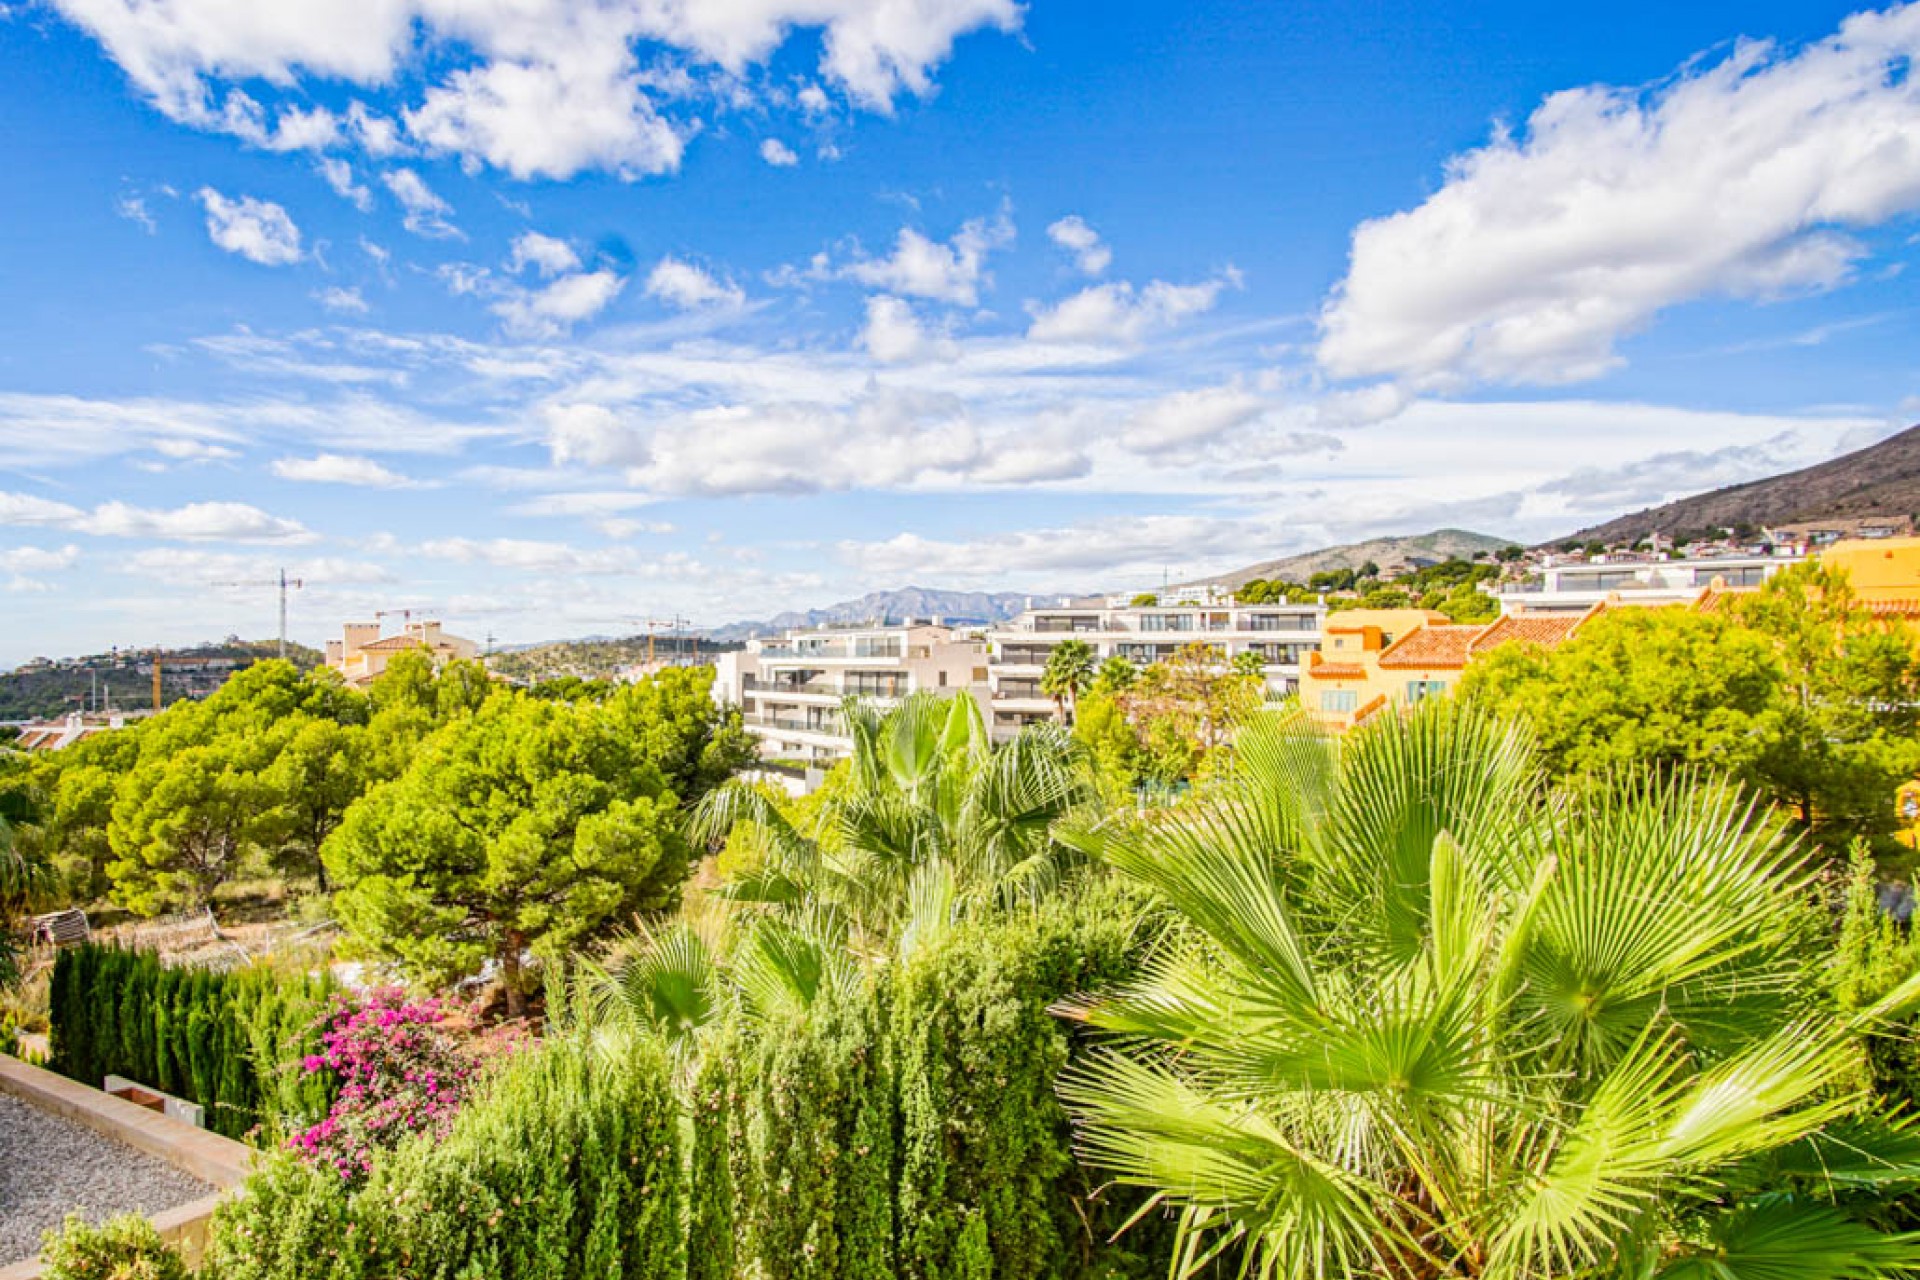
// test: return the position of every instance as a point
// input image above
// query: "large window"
(1167, 622)
(1421, 690)
(1340, 700)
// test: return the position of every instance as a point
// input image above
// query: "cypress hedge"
(230, 1042)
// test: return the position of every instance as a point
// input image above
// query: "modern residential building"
(1574, 585)
(1373, 659)
(363, 653)
(1283, 635)
(791, 688)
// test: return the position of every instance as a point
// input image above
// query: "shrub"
(396, 1075)
(123, 1248)
(230, 1042)
(565, 1162)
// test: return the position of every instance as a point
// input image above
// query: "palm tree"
(1419, 1018)
(935, 820)
(1068, 672)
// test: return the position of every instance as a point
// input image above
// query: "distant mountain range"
(1423, 548)
(1880, 480)
(906, 602)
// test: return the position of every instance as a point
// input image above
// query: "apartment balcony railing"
(791, 724)
(786, 652)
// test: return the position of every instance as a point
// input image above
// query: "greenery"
(1170, 723)
(522, 829)
(566, 1163)
(1425, 1018)
(1068, 672)
(227, 1041)
(1794, 691)
(122, 1248)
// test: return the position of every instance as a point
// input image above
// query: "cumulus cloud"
(337, 468)
(426, 212)
(336, 298)
(894, 335)
(195, 522)
(547, 88)
(1740, 177)
(778, 154)
(1188, 419)
(1119, 314)
(546, 254)
(528, 554)
(923, 268)
(557, 307)
(257, 230)
(339, 176)
(689, 287)
(1074, 235)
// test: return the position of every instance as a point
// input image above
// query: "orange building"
(1372, 659)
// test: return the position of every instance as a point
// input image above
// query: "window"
(1421, 690)
(943, 679)
(1339, 700)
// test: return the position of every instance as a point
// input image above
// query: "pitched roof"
(1546, 629)
(1433, 646)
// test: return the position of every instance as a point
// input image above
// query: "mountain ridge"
(900, 602)
(1882, 479)
(1434, 546)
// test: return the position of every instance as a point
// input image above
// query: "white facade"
(1574, 586)
(791, 688)
(1282, 634)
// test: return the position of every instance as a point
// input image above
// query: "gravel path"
(51, 1166)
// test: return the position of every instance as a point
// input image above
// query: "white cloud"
(1119, 314)
(549, 87)
(546, 254)
(22, 560)
(1074, 235)
(336, 468)
(1543, 249)
(529, 555)
(778, 154)
(557, 307)
(550, 119)
(336, 298)
(1187, 419)
(426, 211)
(339, 176)
(894, 335)
(923, 268)
(195, 522)
(1109, 550)
(688, 287)
(257, 230)
(134, 209)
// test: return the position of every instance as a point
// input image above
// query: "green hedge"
(567, 1164)
(228, 1041)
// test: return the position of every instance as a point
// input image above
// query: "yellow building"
(1372, 659)
(1883, 572)
(362, 653)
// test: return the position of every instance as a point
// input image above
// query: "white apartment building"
(1282, 634)
(1574, 586)
(791, 688)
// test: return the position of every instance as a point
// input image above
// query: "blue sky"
(548, 316)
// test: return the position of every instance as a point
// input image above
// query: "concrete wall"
(207, 1156)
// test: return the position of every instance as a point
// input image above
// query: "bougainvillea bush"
(398, 1072)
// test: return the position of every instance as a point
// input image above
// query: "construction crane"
(284, 583)
(673, 626)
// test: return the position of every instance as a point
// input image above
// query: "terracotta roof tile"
(1897, 607)
(1337, 671)
(1429, 647)
(1546, 629)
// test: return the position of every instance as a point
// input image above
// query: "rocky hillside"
(1424, 548)
(1880, 480)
